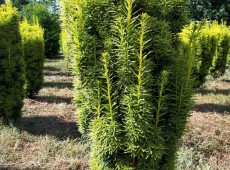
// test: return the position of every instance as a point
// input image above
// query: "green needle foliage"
(69, 30)
(34, 55)
(65, 49)
(213, 50)
(48, 20)
(66, 37)
(223, 50)
(223, 58)
(133, 79)
(179, 102)
(12, 67)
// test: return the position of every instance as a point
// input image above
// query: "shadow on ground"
(11, 167)
(59, 85)
(218, 91)
(48, 125)
(50, 68)
(226, 81)
(53, 99)
(211, 107)
(57, 73)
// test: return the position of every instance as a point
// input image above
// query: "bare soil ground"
(46, 137)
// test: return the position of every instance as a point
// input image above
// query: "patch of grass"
(189, 159)
(56, 67)
(21, 150)
(215, 92)
(209, 135)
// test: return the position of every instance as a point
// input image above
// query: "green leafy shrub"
(34, 55)
(12, 67)
(213, 56)
(133, 79)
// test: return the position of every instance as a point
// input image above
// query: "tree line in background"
(47, 13)
(210, 10)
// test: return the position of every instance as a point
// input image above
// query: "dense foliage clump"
(12, 65)
(65, 49)
(68, 31)
(213, 49)
(34, 55)
(134, 79)
(47, 20)
(17, 3)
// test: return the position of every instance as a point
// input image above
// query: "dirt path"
(46, 137)
(52, 110)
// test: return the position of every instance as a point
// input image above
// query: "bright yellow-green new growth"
(33, 50)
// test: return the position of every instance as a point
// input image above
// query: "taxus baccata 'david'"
(12, 66)
(133, 79)
(34, 55)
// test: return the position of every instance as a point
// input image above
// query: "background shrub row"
(213, 50)
(12, 63)
(34, 55)
(49, 21)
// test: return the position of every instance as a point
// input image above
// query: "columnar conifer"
(12, 65)
(134, 79)
(34, 55)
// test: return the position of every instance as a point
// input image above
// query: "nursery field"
(47, 136)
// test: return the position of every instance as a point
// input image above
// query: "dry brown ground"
(208, 134)
(47, 137)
